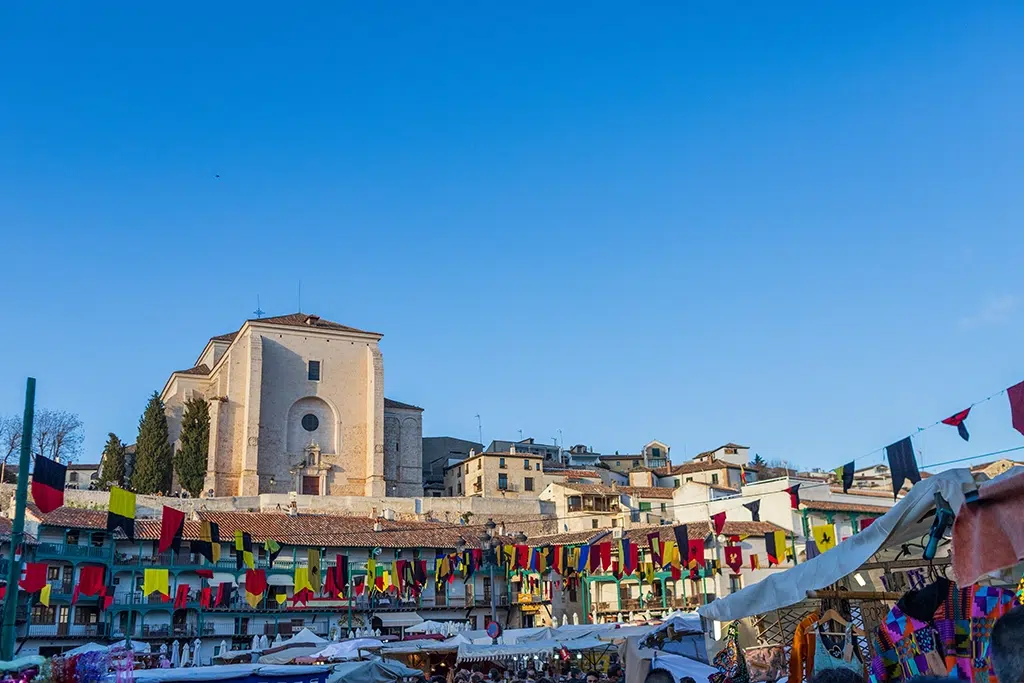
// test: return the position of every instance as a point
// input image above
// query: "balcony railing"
(64, 550)
(67, 630)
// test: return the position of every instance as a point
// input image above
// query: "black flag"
(902, 464)
(755, 510)
(845, 474)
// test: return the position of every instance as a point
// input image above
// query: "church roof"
(203, 369)
(230, 336)
(307, 320)
(398, 405)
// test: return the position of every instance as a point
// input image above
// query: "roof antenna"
(259, 311)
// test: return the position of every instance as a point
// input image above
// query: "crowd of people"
(541, 673)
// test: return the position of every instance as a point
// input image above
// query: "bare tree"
(10, 441)
(58, 435)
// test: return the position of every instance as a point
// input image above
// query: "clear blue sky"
(794, 226)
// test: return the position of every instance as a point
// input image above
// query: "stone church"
(297, 404)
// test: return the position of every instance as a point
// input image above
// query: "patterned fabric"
(732, 667)
(840, 657)
(766, 663)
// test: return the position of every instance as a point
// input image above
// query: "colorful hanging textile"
(172, 523)
(731, 665)
(44, 595)
(695, 552)
(121, 512)
(902, 464)
(775, 545)
(33, 577)
(273, 549)
(155, 581)
(719, 521)
(958, 422)
(794, 496)
(90, 582)
(1016, 396)
(584, 558)
(845, 475)
(755, 510)
(243, 551)
(48, 484)
(682, 534)
(208, 544)
(654, 543)
(255, 585)
(824, 536)
(313, 562)
(181, 597)
(755, 562)
(734, 557)
(522, 557)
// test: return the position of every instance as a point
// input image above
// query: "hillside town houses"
(306, 453)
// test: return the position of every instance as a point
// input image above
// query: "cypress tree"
(112, 472)
(190, 459)
(152, 473)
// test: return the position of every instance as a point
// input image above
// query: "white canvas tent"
(909, 519)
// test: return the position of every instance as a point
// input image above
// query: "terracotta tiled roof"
(637, 491)
(861, 492)
(398, 405)
(230, 336)
(554, 472)
(306, 320)
(6, 527)
(831, 506)
(622, 457)
(572, 538)
(202, 369)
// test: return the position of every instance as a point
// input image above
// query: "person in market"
(1007, 646)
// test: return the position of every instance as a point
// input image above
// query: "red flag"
(48, 484)
(958, 422)
(634, 558)
(865, 523)
(734, 557)
(695, 552)
(90, 582)
(34, 577)
(604, 550)
(595, 558)
(255, 581)
(1016, 396)
(522, 557)
(330, 587)
(181, 597)
(204, 573)
(794, 496)
(204, 597)
(171, 525)
(719, 521)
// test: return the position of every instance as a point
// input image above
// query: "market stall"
(875, 602)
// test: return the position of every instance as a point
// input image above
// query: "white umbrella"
(565, 619)
(337, 635)
(618, 618)
(184, 655)
(278, 640)
(224, 649)
(175, 660)
(256, 643)
(576, 618)
(196, 644)
(264, 642)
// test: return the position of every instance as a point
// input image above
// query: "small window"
(618, 463)
(314, 371)
(664, 507)
(528, 484)
(526, 464)
(480, 464)
(714, 478)
(615, 522)
(735, 583)
(501, 463)
(636, 463)
(52, 573)
(310, 422)
(593, 524)
(675, 482)
(645, 507)
(460, 488)
(656, 452)
(467, 468)
(479, 482)
(689, 479)
(503, 482)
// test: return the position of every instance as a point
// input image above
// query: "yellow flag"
(313, 560)
(280, 597)
(755, 561)
(44, 595)
(669, 554)
(253, 599)
(302, 579)
(649, 573)
(387, 579)
(824, 537)
(155, 581)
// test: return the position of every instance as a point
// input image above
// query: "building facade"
(297, 404)
(438, 453)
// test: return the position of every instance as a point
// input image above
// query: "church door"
(310, 486)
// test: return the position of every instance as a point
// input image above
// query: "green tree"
(152, 473)
(758, 460)
(190, 459)
(112, 471)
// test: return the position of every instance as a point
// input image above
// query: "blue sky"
(793, 226)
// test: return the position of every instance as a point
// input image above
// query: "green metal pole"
(18, 531)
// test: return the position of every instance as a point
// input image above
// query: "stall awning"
(398, 619)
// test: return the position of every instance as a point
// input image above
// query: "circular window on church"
(310, 422)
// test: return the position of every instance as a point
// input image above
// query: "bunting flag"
(155, 581)
(1016, 396)
(181, 597)
(331, 584)
(755, 562)
(755, 509)
(794, 496)
(682, 543)
(845, 475)
(824, 537)
(654, 542)
(171, 525)
(734, 557)
(508, 553)
(719, 521)
(204, 573)
(775, 544)
(48, 478)
(90, 582)
(243, 551)
(648, 572)
(694, 552)
(743, 474)
(301, 580)
(204, 597)
(958, 422)
(584, 553)
(208, 544)
(121, 512)
(33, 577)
(341, 569)
(273, 549)
(605, 551)
(902, 464)
(280, 597)
(313, 562)
(44, 595)
(595, 558)
(522, 557)
(255, 585)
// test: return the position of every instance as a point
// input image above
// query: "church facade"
(297, 404)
